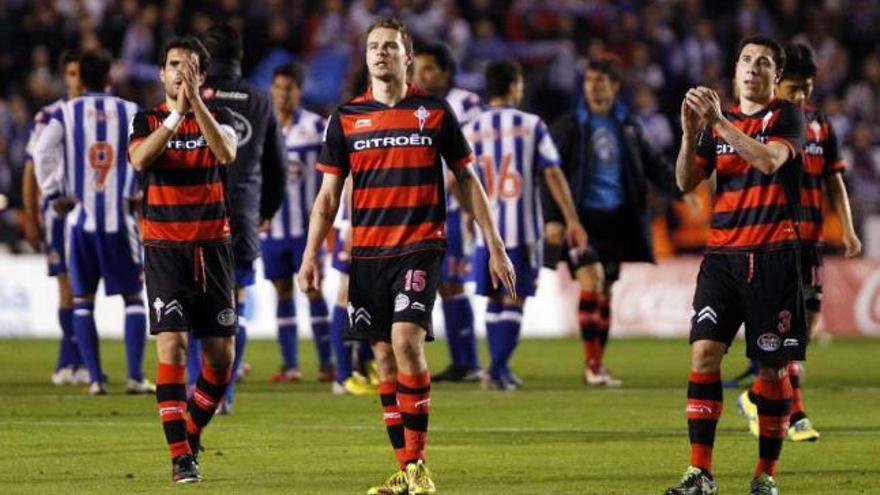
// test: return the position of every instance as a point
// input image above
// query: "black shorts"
(606, 245)
(191, 288)
(384, 291)
(762, 290)
(811, 269)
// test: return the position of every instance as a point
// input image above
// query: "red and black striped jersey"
(821, 159)
(753, 210)
(394, 155)
(185, 197)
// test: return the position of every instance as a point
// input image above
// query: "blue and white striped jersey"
(302, 141)
(512, 149)
(466, 106)
(83, 151)
(40, 120)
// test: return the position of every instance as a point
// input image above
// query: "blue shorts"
(526, 264)
(53, 246)
(341, 260)
(455, 265)
(115, 257)
(282, 259)
(245, 274)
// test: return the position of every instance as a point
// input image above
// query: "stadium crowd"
(663, 47)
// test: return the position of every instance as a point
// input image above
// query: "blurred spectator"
(863, 159)
(863, 97)
(655, 124)
(700, 49)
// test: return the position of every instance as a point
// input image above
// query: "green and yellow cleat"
(802, 431)
(419, 480)
(396, 484)
(353, 385)
(749, 410)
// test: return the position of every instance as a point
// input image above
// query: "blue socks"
(135, 338)
(287, 334)
(459, 316)
(503, 324)
(338, 324)
(68, 352)
(87, 338)
(321, 331)
(240, 342)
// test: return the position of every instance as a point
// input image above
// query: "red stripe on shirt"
(185, 195)
(203, 230)
(395, 236)
(394, 197)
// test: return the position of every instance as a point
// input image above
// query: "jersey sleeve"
(833, 161)
(706, 155)
(789, 128)
(139, 127)
(334, 151)
(453, 146)
(546, 154)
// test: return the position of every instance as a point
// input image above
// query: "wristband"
(172, 120)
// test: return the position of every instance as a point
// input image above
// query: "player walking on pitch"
(514, 152)
(751, 271)
(182, 148)
(391, 139)
(823, 170)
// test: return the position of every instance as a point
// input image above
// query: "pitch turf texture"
(554, 436)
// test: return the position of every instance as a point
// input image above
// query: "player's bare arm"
(143, 153)
(323, 213)
(31, 191)
(687, 174)
(474, 200)
(766, 158)
(222, 144)
(575, 234)
(839, 199)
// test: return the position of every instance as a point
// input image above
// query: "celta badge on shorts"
(401, 302)
(226, 317)
(768, 342)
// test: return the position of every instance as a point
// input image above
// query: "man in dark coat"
(608, 163)
(256, 177)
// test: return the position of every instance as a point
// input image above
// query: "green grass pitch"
(554, 436)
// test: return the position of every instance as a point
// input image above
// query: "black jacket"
(572, 134)
(257, 176)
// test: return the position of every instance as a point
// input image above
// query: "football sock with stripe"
(705, 401)
(393, 420)
(87, 338)
(320, 318)
(773, 399)
(135, 338)
(287, 333)
(414, 399)
(588, 318)
(171, 399)
(210, 387)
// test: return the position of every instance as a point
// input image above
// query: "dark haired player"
(79, 158)
(823, 170)
(182, 148)
(69, 367)
(434, 70)
(750, 272)
(391, 140)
